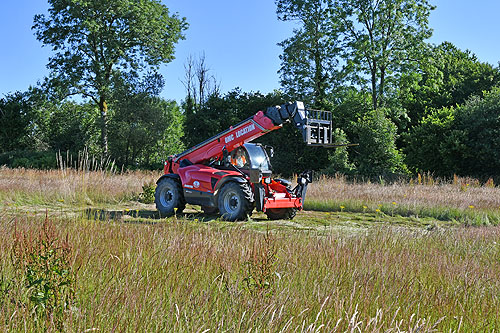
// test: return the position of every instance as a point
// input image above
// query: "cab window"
(239, 158)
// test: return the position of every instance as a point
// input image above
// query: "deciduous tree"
(464, 140)
(309, 60)
(381, 39)
(145, 128)
(16, 116)
(447, 78)
(93, 38)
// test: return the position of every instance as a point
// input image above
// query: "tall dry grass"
(462, 199)
(461, 193)
(179, 276)
(72, 186)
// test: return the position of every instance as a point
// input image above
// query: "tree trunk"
(127, 150)
(103, 108)
(382, 84)
(374, 85)
(319, 93)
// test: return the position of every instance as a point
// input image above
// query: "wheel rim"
(167, 197)
(231, 202)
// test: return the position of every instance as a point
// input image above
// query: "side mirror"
(270, 151)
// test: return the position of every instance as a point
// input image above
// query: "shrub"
(338, 158)
(43, 268)
(29, 159)
(260, 267)
(148, 193)
(463, 140)
(377, 153)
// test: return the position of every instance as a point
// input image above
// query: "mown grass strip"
(469, 216)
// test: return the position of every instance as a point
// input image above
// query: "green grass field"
(79, 253)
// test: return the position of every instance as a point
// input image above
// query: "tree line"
(409, 105)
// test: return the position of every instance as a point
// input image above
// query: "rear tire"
(168, 196)
(235, 201)
(281, 213)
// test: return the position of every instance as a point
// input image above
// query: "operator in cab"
(238, 158)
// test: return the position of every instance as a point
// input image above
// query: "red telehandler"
(230, 175)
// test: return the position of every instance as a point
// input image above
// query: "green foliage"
(261, 275)
(308, 68)
(147, 195)
(5, 287)
(16, 115)
(31, 120)
(29, 159)
(71, 127)
(476, 139)
(67, 126)
(446, 77)
(462, 140)
(351, 105)
(43, 267)
(424, 144)
(215, 115)
(376, 154)
(377, 42)
(93, 39)
(373, 131)
(381, 40)
(338, 158)
(144, 128)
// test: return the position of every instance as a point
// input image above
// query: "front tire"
(168, 196)
(235, 201)
(281, 213)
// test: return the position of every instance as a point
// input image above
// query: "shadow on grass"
(143, 216)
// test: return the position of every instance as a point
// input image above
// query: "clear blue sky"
(238, 38)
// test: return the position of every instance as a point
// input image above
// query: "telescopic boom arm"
(315, 126)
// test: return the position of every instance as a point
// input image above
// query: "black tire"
(281, 213)
(235, 201)
(168, 196)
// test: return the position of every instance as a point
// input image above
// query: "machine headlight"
(267, 180)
